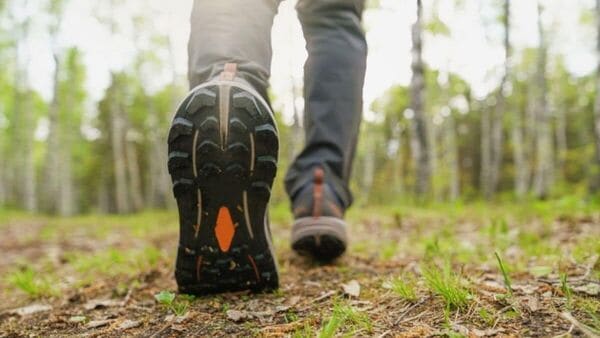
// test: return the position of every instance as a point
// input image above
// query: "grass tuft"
(448, 285)
(404, 287)
(32, 283)
(349, 318)
(505, 276)
(566, 289)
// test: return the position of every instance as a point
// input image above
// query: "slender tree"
(452, 158)
(596, 179)
(23, 122)
(544, 146)
(492, 121)
(420, 135)
(51, 186)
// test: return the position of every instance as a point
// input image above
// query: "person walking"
(223, 142)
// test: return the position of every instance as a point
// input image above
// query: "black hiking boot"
(319, 229)
(223, 146)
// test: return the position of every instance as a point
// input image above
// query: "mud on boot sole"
(223, 147)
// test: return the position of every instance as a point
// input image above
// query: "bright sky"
(473, 50)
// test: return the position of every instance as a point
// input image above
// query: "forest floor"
(409, 272)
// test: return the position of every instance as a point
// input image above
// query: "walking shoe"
(319, 229)
(223, 146)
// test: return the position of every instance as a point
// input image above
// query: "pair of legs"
(239, 31)
(223, 143)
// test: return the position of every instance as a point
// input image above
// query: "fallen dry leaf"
(77, 319)
(352, 288)
(532, 303)
(31, 309)
(129, 324)
(98, 323)
(591, 289)
(238, 316)
(487, 332)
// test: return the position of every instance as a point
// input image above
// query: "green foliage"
(114, 262)
(438, 27)
(566, 289)
(165, 297)
(347, 317)
(176, 304)
(384, 168)
(34, 284)
(447, 284)
(404, 287)
(488, 318)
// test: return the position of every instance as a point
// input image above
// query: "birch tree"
(419, 127)
(51, 185)
(544, 145)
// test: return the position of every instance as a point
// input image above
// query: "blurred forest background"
(535, 134)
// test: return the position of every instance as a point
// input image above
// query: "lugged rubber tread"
(213, 176)
(203, 97)
(237, 125)
(246, 101)
(209, 124)
(207, 147)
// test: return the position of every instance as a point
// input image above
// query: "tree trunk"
(420, 136)
(498, 118)
(596, 178)
(66, 200)
(369, 169)
(51, 183)
(158, 189)
(453, 165)
(24, 127)
(521, 165)
(104, 194)
(561, 140)
(296, 135)
(119, 159)
(486, 159)
(492, 122)
(133, 169)
(66, 195)
(397, 157)
(544, 151)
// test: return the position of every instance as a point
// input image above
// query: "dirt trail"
(88, 298)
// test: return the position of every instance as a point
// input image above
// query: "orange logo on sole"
(224, 230)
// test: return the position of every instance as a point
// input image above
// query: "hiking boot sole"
(223, 146)
(323, 238)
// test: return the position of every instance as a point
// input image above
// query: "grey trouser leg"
(239, 31)
(231, 31)
(333, 82)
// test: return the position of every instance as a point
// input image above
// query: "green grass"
(33, 283)
(345, 316)
(566, 289)
(590, 308)
(114, 262)
(487, 317)
(403, 287)
(448, 285)
(389, 250)
(306, 331)
(505, 276)
(177, 304)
